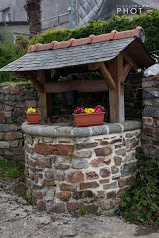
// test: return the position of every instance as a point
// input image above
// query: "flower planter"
(33, 118)
(91, 119)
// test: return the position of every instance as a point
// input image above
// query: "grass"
(12, 173)
(10, 170)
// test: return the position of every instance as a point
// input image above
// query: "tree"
(33, 9)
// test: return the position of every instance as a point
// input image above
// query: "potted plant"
(89, 116)
(33, 115)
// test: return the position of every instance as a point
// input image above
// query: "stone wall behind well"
(14, 100)
(150, 141)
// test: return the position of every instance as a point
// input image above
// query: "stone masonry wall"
(69, 175)
(14, 100)
(150, 141)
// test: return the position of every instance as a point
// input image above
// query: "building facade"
(67, 13)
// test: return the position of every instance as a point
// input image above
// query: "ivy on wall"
(140, 202)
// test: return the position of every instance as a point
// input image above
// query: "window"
(6, 15)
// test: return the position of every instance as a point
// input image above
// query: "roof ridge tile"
(113, 35)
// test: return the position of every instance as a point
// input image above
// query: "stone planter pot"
(91, 119)
(33, 118)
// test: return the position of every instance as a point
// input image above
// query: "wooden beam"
(103, 69)
(126, 71)
(130, 61)
(116, 96)
(49, 108)
(42, 96)
(31, 76)
(79, 85)
(19, 74)
(94, 66)
(106, 74)
(45, 100)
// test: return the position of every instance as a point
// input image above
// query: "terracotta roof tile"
(62, 44)
(114, 35)
(44, 47)
(33, 48)
(130, 33)
(104, 37)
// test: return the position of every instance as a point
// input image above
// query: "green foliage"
(7, 54)
(51, 35)
(21, 45)
(149, 21)
(93, 27)
(119, 23)
(83, 212)
(140, 202)
(10, 170)
(12, 173)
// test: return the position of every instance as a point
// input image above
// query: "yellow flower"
(89, 110)
(31, 110)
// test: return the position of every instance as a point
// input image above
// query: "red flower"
(97, 109)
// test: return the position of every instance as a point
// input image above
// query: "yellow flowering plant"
(31, 110)
(89, 110)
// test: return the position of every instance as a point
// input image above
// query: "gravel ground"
(19, 220)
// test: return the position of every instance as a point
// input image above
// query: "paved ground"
(18, 220)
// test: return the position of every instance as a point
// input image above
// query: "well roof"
(83, 51)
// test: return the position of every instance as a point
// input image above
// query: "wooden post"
(116, 95)
(45, 100)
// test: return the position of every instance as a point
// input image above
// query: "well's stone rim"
(71, 131)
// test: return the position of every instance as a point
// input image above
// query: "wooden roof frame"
(114, 74)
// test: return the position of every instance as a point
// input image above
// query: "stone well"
(70, 168)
